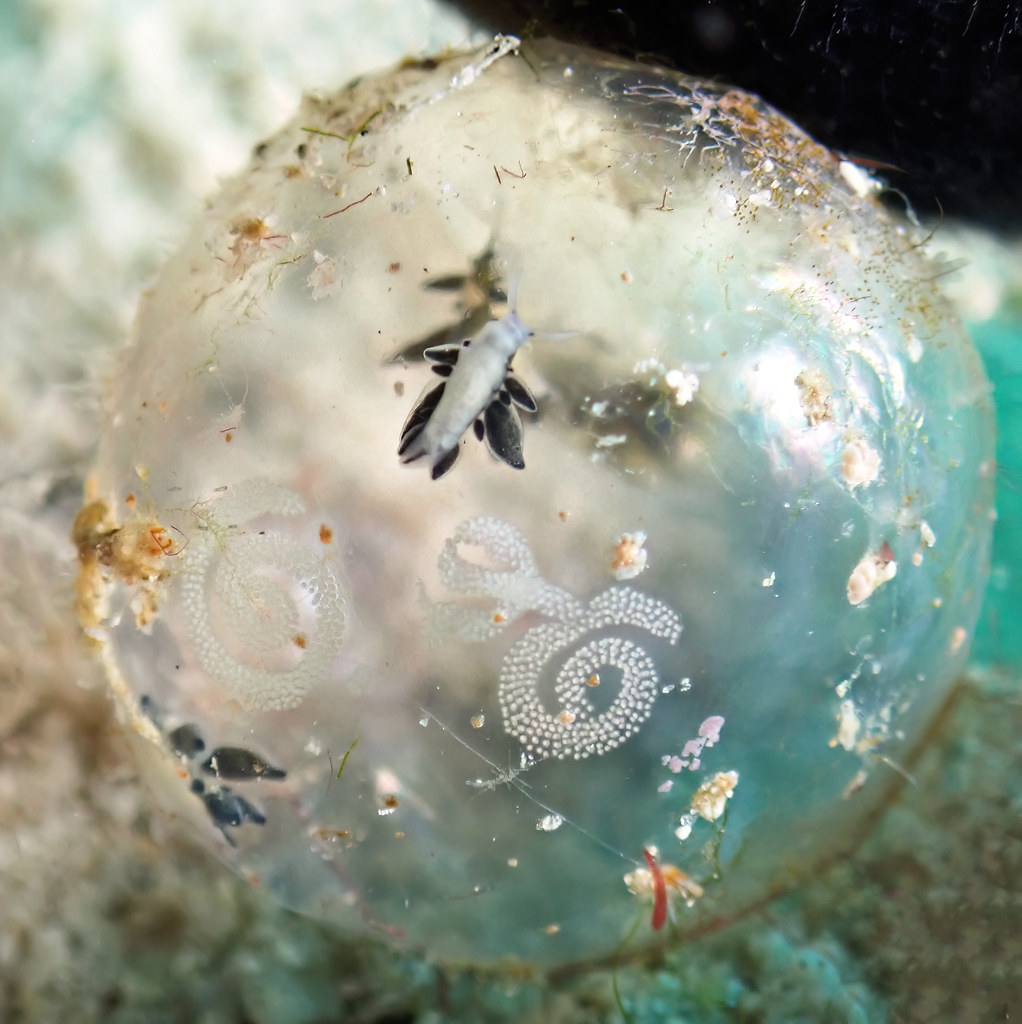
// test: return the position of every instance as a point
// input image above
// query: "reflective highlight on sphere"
(547, 494)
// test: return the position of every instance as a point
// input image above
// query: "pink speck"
(694, 766)
(710, 729)
(675, 764)
(693, 748)
(665, 787)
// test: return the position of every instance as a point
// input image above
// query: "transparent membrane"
(662, 670)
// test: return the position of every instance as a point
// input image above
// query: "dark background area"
(933, 87)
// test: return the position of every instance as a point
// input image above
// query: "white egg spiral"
(574, 728)
(265, 610)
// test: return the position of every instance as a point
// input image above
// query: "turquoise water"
(999, 637)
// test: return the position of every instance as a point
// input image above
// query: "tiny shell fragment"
(873, 571)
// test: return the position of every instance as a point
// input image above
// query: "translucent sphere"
(547, 501)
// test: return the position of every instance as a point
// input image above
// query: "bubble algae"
(547, 497)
